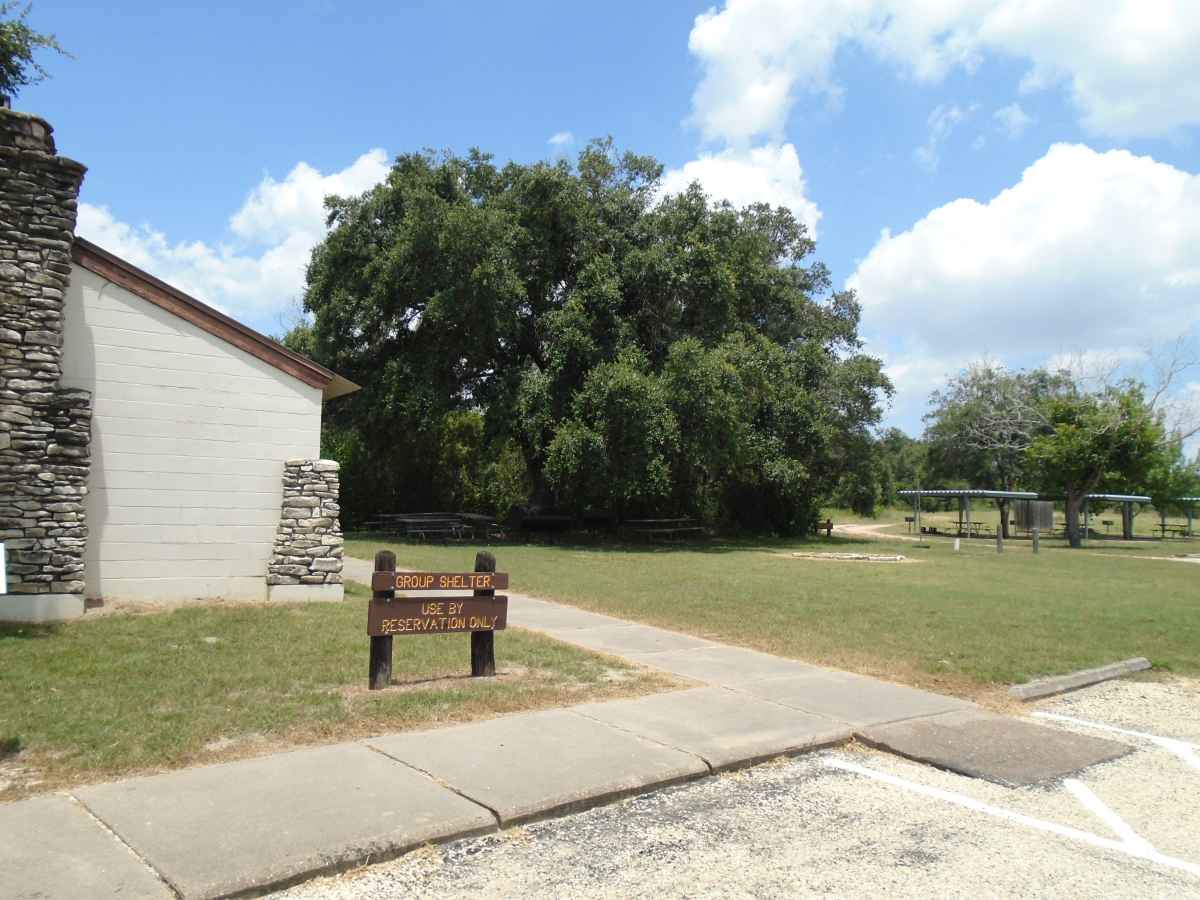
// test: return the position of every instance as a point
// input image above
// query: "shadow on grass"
(13, 631)
(9, 747)
(718, 545)
(441, 679)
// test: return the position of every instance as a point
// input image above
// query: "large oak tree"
(624, 352)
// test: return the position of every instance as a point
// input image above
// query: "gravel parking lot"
(854, 822)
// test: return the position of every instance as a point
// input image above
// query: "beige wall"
(189, 435)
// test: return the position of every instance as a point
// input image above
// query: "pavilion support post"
(1127, 521)
(1189, 517)
(964, 514)
(1037, 539)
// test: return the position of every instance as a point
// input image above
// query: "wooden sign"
(436, 615)
(482, 613)
(439, 581)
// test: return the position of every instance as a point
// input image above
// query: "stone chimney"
(44, 429)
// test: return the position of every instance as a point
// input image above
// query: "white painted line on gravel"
(1116, 824)
(1183, 749)
(1007, 814)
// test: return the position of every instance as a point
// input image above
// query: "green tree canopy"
(641, 354)
(981, 425)
(1105, 440)
(18, 42)
(1171, 477)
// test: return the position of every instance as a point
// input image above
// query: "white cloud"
(754, 52)
(942, 122)
(1012, 120)
(275, 210)
(768, 174)
(915, 375)
(1132, 67)
(261, 272)
(1096, 365)
(1089, 253)
(561, 140)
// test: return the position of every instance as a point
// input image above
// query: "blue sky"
(1035, 167)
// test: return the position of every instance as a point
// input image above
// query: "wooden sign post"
(482, 613)
(381, 644)
(483, 643)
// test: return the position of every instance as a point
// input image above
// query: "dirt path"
(873, 532)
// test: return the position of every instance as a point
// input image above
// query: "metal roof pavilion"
(970, 492)
(965, 495)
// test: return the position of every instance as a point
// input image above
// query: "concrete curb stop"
(1060, 684)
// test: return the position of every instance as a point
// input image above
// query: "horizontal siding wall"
(189, 435)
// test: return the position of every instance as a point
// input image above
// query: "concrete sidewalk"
(226, 829)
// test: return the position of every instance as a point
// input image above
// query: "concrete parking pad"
(855, 699)
(529, 765)
(997, 748)
(217, 830)
(51, 847)
(725, 728)
(718, 664)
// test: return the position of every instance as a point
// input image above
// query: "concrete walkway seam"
(439, 782)
(104, 826)
(711, 769)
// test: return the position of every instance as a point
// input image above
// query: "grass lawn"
(963, 622)
(114, 694)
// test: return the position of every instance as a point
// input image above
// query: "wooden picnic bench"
(1179, 530)
(662, 528)
(420, 526)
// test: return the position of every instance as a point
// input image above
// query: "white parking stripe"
(1119, 826)
(1185, 750)
(1028, 821)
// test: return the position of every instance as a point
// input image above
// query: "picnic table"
(662, 528)
(1179, 530)
(421, 526)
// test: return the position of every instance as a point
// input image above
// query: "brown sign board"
(436, 615)
(439, 581)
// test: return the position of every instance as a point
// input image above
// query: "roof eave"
(113, 268)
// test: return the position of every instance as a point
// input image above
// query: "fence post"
(381, 647)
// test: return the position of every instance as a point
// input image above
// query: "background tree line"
(562, 336)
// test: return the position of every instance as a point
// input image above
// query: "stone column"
(307, 560)
(45, 430)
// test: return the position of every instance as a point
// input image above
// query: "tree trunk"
(1004, 519)
(1074, 507)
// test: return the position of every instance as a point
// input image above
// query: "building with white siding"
(193, 416)
(152, 448)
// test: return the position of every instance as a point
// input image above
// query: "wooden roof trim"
(116, 270)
